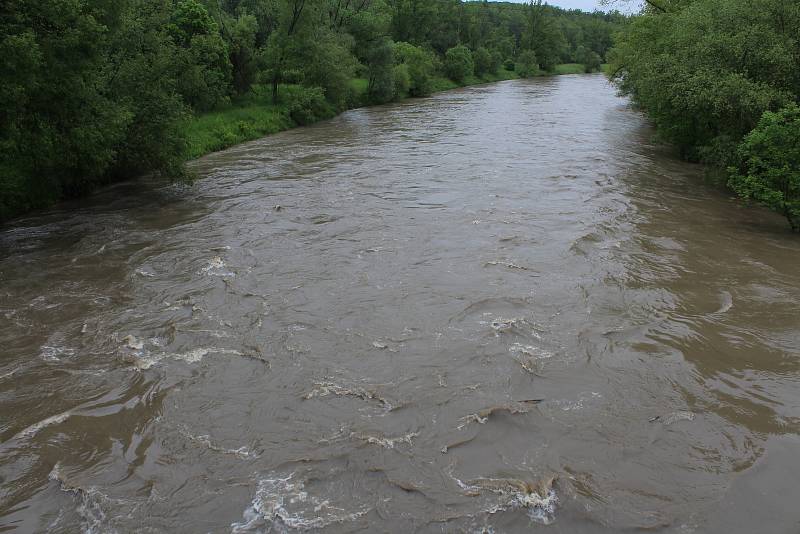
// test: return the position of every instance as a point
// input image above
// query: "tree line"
(721, 80)
(93, 91)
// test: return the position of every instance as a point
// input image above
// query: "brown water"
(457, 299)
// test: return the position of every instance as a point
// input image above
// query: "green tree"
(590, 59)
(527, 65)
(484, 62)
(241, 34)
(769, 169)
(458, 64)
(419, 64)
(381, 72)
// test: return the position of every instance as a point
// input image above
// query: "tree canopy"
(710, 72)
(95, 90)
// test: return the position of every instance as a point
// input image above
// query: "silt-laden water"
(504, 308)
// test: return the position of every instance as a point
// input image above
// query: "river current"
(504, 308)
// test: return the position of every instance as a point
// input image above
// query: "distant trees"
(708, 72)
(527, 64)
(97, 90)
(458, 63)
(418, 65)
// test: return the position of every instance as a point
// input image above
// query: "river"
(492, 310)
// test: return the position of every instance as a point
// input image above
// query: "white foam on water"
(35, 428)
(90, 507)
(506, 264)
(540, 503)
(133, 343)
(531, 351)
(243, 453)
(216, 267)
(9, 374)
(54, 353)
(285, 505)
(192, 356)
(324, 389)
(727, 302)
(385, 442)
(674, 417)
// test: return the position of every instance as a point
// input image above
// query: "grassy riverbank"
(255, 115)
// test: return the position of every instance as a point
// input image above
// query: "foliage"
(420, 66)
(458, 63)
(381, 69)
(485, 62)
(769, 169)
(98, 90)
(308, 105)
(589, 58)
(527, 65)
(706, 71)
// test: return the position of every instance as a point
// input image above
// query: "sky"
(586, 5)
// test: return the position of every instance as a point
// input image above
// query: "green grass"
(249, 118)
(569, 68)
(440, 83)
(359, 85)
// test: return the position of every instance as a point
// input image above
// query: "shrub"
(420, 66)
(483, 62)
(590, 59)
(458, 63)
(527, 64)
(308, 105)
(769, 170)
(402, 80)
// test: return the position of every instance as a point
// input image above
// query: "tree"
(527, 65)
(458, 64)
(381, 71)
(484, 62)
(542, 35)
(769, 169)
(241, 34)
(419, 65)
(590, 59)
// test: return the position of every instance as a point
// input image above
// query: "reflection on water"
(496, 308)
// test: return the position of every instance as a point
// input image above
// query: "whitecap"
(192, 356)
(285, 503)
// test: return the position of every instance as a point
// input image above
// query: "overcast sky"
(586, 5)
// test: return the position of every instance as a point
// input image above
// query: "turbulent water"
(501, 309)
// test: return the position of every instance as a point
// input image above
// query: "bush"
(308, 105)
(380, 70)
(769, 170)
(402, 80)
(591, 60)
(509, 64)
(527, 64)
(419, 65)
(483, 62)
(497, 60)
(458, 63)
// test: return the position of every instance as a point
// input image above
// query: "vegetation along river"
(504, 308)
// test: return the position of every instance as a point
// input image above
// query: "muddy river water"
(504, 308)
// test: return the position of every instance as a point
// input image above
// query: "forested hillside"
(97, 90)
(721, 80)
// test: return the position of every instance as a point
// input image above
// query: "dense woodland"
(97, 90)
(721, 80)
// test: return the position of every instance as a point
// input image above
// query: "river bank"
(255, 115)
